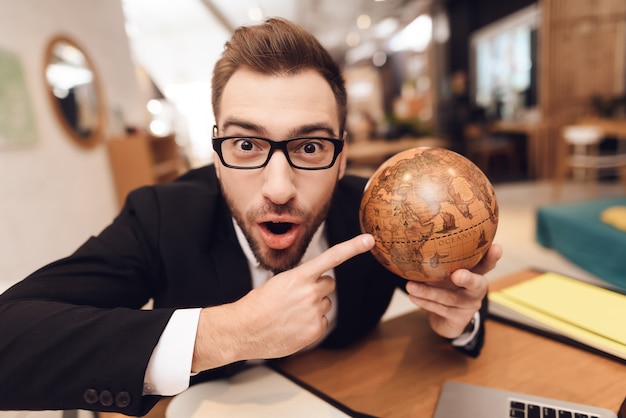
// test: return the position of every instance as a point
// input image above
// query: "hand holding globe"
(431, 212)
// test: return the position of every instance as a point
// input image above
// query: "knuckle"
(316, 329)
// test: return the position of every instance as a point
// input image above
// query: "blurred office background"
(101, 96)
(98, 97)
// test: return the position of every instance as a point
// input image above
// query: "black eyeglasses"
(304, 153)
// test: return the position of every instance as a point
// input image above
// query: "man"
(257, 256)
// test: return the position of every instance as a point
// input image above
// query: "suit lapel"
(231, 265)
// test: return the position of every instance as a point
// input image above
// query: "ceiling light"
(363, 22)
(416, 36)
(379, 58)
(154, 106)
(158, 128)
(386, 27)
(353, 39)
(255, 14)
(364, 51)
(359, 90)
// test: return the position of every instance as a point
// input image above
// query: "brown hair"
(277, 47)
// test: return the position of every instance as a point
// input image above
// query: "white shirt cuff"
(169, 367)
(463, 339)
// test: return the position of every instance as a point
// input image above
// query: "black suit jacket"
(73, 336)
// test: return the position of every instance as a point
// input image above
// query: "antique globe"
(431, 211)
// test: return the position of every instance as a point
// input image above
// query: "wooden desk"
(399, 370)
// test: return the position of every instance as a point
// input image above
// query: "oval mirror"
(74, 91)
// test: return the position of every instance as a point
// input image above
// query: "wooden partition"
(141, 160)
(582, 54)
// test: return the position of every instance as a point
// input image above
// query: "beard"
(272, 259)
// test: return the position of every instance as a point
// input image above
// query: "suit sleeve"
(73, 335)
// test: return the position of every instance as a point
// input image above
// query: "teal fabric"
(576, 231)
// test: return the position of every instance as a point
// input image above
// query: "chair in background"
(482, 148)
(581, 155)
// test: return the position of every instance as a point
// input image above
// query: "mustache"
(270, 208)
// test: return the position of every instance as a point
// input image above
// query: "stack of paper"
(256, 392)
(562, 306)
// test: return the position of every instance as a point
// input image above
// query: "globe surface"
(431, 211)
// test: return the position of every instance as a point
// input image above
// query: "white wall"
(53, 194)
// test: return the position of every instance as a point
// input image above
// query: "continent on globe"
(431, 212)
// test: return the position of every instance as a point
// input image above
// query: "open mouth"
(278, 228)
(279, 235)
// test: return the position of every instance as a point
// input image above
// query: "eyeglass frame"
(277, 145)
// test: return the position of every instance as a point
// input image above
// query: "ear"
(216, 159)
(343, 157)
(218, 165)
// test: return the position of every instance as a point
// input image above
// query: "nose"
(278, 179)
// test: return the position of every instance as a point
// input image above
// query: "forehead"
(276, 103)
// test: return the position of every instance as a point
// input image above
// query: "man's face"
(278, 207)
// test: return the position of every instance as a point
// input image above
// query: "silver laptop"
(462, 400)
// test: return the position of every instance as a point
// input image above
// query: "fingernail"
(368, 240)
(413, 287)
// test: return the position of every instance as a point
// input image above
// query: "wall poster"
(17, 119)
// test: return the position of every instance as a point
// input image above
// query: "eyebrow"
(249, 126)
(315, 127)
(294, 132)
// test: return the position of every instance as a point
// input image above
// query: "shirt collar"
(318, 245)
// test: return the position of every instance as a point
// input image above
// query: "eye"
(243, 144)
(310, 148)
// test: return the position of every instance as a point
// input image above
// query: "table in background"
(365, 156)
(535, 147)
(543, 150)
(399, 370)
(611, 127)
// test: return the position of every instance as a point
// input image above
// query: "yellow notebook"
(563, 306)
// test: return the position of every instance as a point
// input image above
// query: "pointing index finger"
(336, 255)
